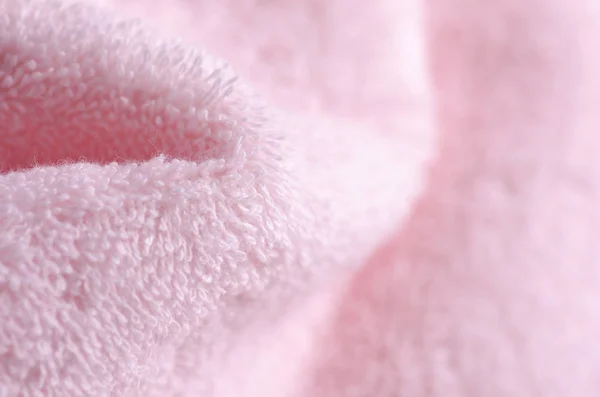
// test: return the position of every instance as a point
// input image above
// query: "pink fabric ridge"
(299, 198)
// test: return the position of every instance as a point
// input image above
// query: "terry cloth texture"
(299, 198)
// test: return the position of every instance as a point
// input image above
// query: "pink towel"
(299, 198)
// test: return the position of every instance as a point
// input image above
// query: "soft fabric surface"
(299, 198)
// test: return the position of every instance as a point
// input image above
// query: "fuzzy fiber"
(299, 198)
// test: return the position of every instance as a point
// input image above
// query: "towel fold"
(299, 198)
